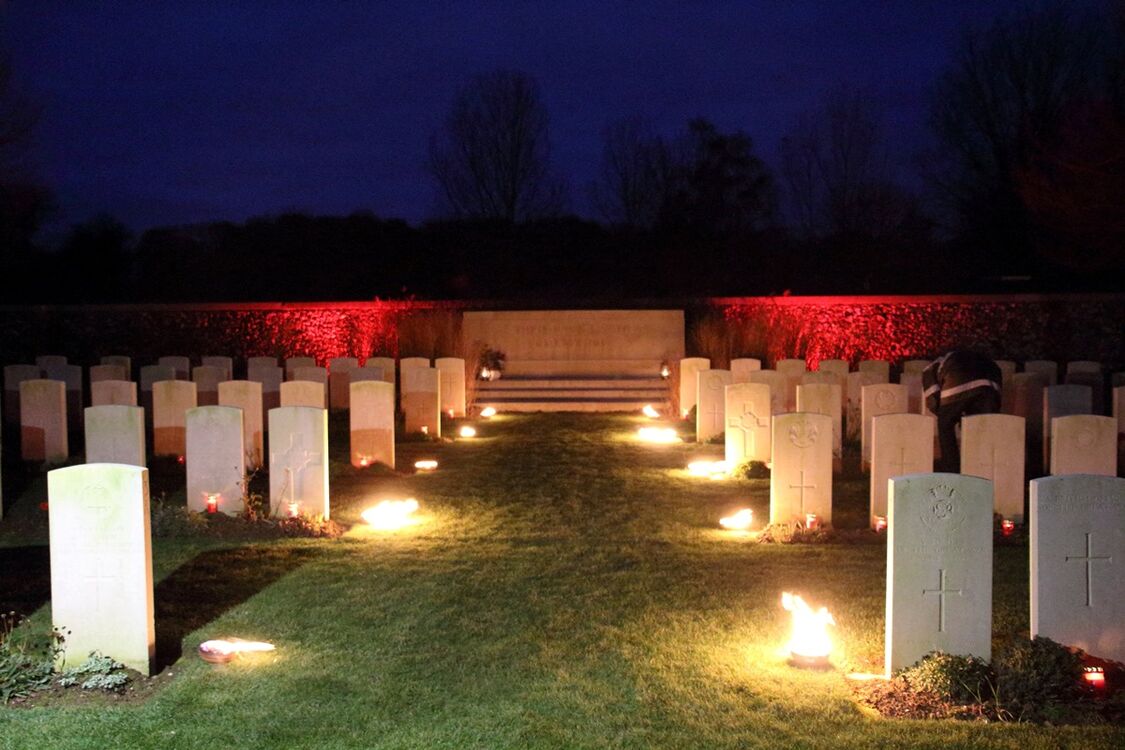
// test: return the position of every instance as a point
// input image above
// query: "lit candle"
(427, 464)
(665, 371)
(363, 461)
(294, 510)
(488, 411)
(1094, 676)
(1007, 527)
(740, 521)
(212, 502)
(880, 523)
(180, 460)
(468, 432)
(425, 429)
(650, 411)
(450, 414)
(811, 521)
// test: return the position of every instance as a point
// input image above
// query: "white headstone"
(270, 376)
(386, 364)
(71, 375)
(122, 360)
(1007, 370)
(1027, 402)
(366, 375)
(853, 411)
(876, 400)
(207, 379)
(115, 434)
(451, 372)
(776, 383)
(801, 473)
(113, 393)
(748, 423)
(339, 369)
(170, 401)
(1084, 444)
(101, 563)
(881, 368)
(1095, 381)
(1081, 365)
(225, 364)
(741, 367)
(43, 429)
(939, 568)
(152, 374)
(408, 363)
(1062, 401)
(901, 444)
(1078, 562)
(215, 459)
(247, 396)
(993, 447)
(298, 461)
(182, 365)
(420, 402)
(837, 367)
(372, 423)
(915, 366)
(689, 382)
(825, 398)
(260, 362)
(710, 416)
(1045, 367)
(303, 393)
(98, 373)
(13, 376)
(46, 361)
(820, 378)
(791, 370)
(912, 382)
(292, 363)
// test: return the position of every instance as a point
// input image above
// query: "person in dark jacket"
(954, 385)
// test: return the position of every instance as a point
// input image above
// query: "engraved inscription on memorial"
(803, 435)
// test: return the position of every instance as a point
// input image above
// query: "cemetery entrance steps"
(573, 392)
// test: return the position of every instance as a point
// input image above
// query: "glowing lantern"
(740, 521)
(684, 413)
(467, 432)
(294, 510)
(488, 411)
(712, 469)
(650, 412)
(812, 523)
(391, 515)
(1094, 676)
(658, 435)
(223, 650)
(1007, 527)
(364, 460)
(427, 464)
(809, 645)
(880, 523)
(450, 413)
(485, 373)
(212, 499)
(180, 460)
(665, 371)
(425, 429)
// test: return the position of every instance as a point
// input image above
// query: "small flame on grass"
(427, 464)
(467, 432)
(740, 521)
(391, 515)
(658, 435)
(650, 411)
(224, 649)
(488, 412)
(809, 644)
(712, 469)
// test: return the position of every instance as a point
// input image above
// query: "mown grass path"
(569, 589)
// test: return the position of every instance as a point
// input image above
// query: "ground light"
(658, 435)
(650, 411)
(1094, 676)
(809, 645)
(712, 469)
(467, 432)
(426, 464)
(1008, 527)
(740, 521)
(391, 515)
(223, 650)
(488, 412)
(212, 501)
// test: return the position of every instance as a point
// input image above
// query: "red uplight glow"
(1094, 676)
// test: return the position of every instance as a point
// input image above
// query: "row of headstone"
(939, 565)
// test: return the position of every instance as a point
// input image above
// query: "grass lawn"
(568, 589)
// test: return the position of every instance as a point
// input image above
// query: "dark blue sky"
(163, 112)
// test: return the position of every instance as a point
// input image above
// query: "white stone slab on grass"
(1045, 367)
(225, 365)
(43, 428)
(247, 396)
(993, 447)
(1027, 402)
(101, 563)
(119, 359)
(901, 444)
(876, 400)
(339, 369)
(386, 364)
(1078, 562)
(292, 363)
(303, 393)
(826, 399)
(1084, 444)
(372, 423)
(791, 370)
(207, 379)
(837, 367)
(1062, 401)
(115, 434)
(113, 393)
(170, 401)
(421, 405)
(71, 376)
(776, 383)
(801, 472)
(741, 367)
(298, 437)
(99, 373)
(710, 414)
(181, 365)
(451, 372)
(748, 423)
(13, 376)
(270, 377)
(854, 383)
(215, 458)
(939, 568)
(880, 367)
(689, 382)
(912, 382)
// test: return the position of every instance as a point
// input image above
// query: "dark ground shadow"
(203, 588)
(25, 579)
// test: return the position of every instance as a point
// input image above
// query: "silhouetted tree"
(96, 255)
(492, 157)
(635, 176)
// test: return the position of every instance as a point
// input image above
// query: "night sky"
(179, 112)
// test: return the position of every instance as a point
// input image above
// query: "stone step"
(634, 394)
(571, 404)
(604, 367)
(571, 381)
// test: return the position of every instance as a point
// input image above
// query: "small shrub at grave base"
(27, 658)
(960, 679)
(717, 439)
(752, 470)
(96, 673)
(795, 533)
(171, 520)
(1038, 680)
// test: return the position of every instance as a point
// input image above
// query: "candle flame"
(658, 435)
(810, 629)
(390, 515)
(712, 469)
(468, 432)
(650, 412)
(229, 646)
(427, 464)
(740, 521)
(488, 411)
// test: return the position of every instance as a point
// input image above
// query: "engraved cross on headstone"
(716, 414)
(941, 591)
(294, 460)
(749, 423)
(900, 463)
(97, 505)
(1089, 558)
(802, 487)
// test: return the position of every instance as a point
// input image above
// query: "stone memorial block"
(122, 361)
(98, 373)
(854, 384)
(409, 363)
(207, 379)
(225, 364)
(13, 376)
(303, 393)
(292, 363)
(182, 365)
(260, 362)
(1080, 365)
(1084, 444)
(420, 401)
(312, 375)
(748, 417)
(939, 568)
(913, 384)
(43, 429)
(820, 378)
(915, 366)
(791, 370)
(1045, 367)
(1027, 402)
(366, 375)
(876, 400)
(1096, 383)
(451, 373)
(115, 434)
(247, 396)
(710, 414)
(993, 447)
(801, 473)
(689, 382)
(298, 461)
(386, 364)
(880, 367)
(1062, 401)
(837, 367)
(101, 563)
(113, 393)
(372, 422)
(270, 377)
(776, 383)
(339, 369)
(1007, 371)
(1119, 418)
(901, 444)
(170, 401)
(741, 368)
(71, 376)
(1078, 562)
(1116, 379)
(826, 399)
(150, 375)
(215, 458)
(45, 361)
